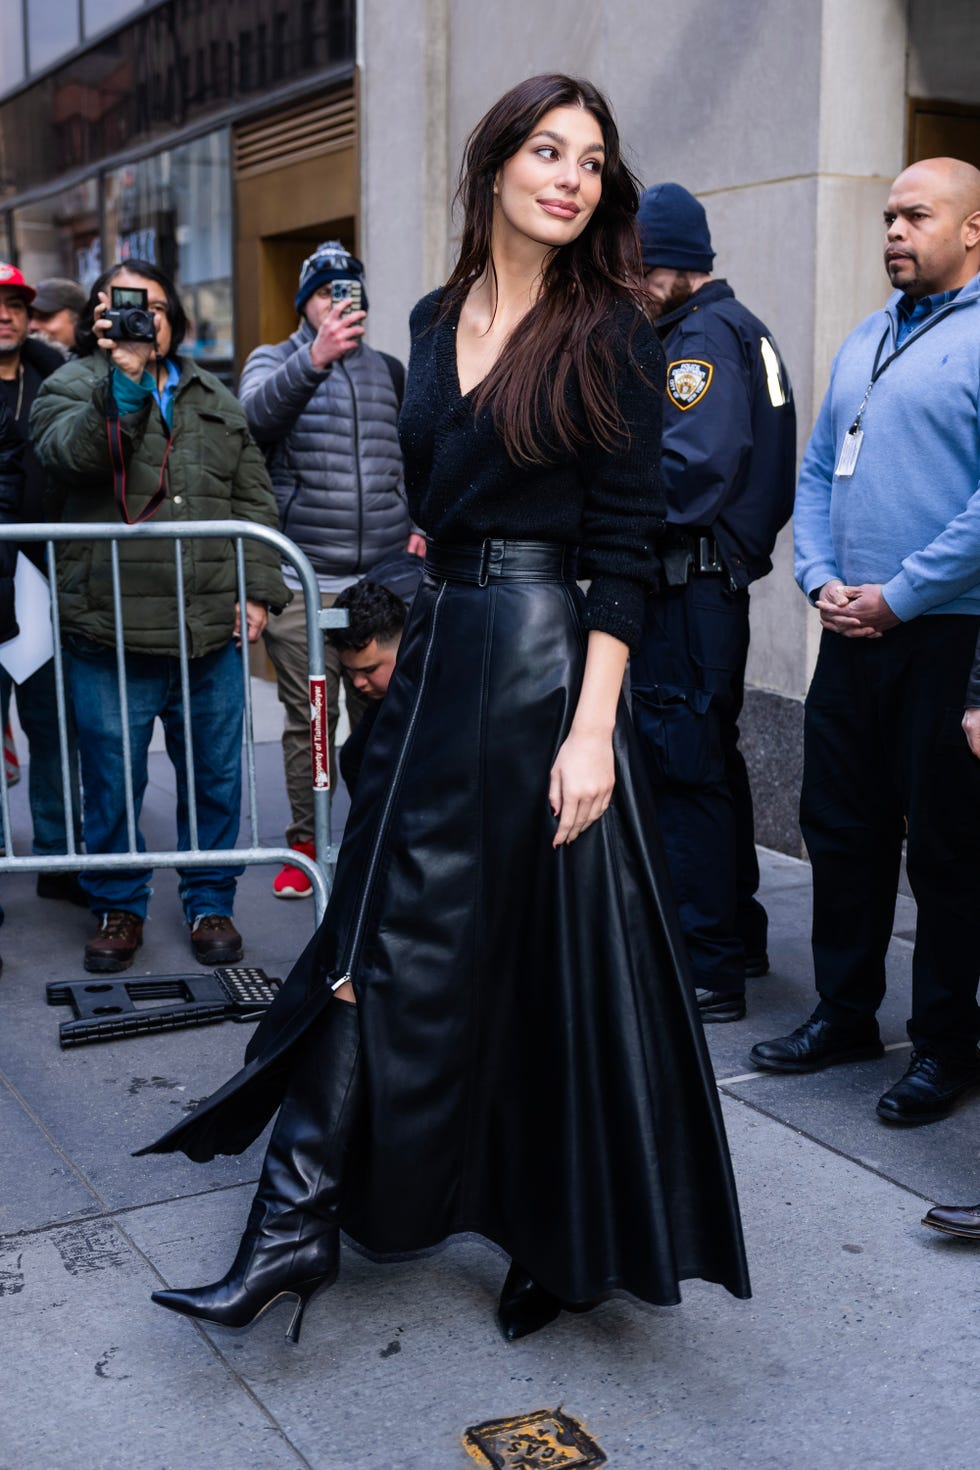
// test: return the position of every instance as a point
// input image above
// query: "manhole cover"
(545, 1440)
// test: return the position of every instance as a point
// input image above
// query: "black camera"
(129, 316)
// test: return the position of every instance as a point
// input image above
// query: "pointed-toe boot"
(291, 1244)
(524, 1306)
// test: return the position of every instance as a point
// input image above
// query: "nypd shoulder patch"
(688, 381)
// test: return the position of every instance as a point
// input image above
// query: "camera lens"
(136, 325)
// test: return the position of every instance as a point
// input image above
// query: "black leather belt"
(686, 552)
(479, 562)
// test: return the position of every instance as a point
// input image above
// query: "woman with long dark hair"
(494, 1030)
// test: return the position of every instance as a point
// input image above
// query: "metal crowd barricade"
(318, 870)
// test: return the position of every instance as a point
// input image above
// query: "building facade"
(788, 118)
(217, 140)
(223, 140)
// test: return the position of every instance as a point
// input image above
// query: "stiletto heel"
(296, 1321)
(291, 1244)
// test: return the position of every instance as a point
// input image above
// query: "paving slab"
(42, 1185)
(87, 1385)
(858, 1347)
(835, 1354)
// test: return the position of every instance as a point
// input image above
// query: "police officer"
(729, 453)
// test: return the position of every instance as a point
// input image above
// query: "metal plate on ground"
(545, 1440)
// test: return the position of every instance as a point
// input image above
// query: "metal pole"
(123, 698)
(61, 702)
(185, 699)
(253, 806)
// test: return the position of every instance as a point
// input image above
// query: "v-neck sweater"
(462, 485)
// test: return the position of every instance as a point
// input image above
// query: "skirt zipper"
(392, 791)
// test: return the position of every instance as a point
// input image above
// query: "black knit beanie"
(329, 262)
(674, 229)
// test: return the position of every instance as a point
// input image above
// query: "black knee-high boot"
(291, 1245)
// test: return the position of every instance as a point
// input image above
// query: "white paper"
(34, 645)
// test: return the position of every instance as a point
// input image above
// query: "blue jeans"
(153, 686)
(37, 710)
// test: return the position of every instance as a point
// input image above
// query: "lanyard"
(879, 367)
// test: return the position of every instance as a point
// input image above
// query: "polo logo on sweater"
(688, 382)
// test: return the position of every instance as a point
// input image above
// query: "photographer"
(183, 452)
(324, 407)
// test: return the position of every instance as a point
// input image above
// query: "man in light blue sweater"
(887, 525)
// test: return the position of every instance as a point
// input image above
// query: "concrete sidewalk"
(859, 1347)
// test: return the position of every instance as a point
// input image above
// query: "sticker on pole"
(318, 732)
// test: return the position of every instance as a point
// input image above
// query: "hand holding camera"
(342, 326)
(125, 328)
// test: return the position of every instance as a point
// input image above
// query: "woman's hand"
(582, 781)
(584, 773)
(131, 358)
(971, 729)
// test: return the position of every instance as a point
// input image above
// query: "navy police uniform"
(729, 452)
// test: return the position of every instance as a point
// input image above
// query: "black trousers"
(883, 746)
(687, 685)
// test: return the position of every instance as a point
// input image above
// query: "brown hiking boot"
(120, 936)
(215, 940)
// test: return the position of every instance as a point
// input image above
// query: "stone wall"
(786, 117)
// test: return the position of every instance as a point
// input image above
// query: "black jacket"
(39, 361)
(729, 446)
(11, 494)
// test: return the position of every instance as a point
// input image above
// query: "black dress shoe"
(524, 1306)
(720, 1005)
(814, 1045)
(756, 965)
(928, 1090)
(961, 1220)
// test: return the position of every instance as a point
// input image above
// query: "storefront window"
(172, 66)
(100, 14)
(174, 209)
(59, 235)
(52, 30)
(11, 46)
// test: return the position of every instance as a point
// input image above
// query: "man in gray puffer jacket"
(324, 407)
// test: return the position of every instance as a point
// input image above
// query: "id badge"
(850, 449)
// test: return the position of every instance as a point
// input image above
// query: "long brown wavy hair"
(566, 337)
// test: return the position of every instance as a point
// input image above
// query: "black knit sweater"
(463, 486)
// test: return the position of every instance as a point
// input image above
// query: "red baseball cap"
(10, 276)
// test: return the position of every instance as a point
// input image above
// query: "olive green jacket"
(215, 471)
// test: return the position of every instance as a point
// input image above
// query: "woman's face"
(548, 191)
(156, 299)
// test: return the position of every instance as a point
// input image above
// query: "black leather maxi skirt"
(535, 1067)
